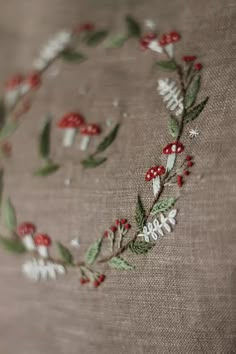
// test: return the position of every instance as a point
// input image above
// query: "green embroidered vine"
(109, 249)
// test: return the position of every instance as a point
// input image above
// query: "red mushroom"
(26, 231)
(70, 122)
(87, 131)
(153, 174)
(171, 150)
(42, 242)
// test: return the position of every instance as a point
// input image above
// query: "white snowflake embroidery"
(150, 24)
(193, 133)
(75, 242)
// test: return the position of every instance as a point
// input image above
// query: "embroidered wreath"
(180, 98)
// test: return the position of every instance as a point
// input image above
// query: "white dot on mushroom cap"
(179, 149)
(155, 173)
(148, 176)
(152, 171)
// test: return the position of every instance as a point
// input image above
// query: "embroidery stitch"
(179, 97)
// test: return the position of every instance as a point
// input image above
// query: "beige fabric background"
(181, 297)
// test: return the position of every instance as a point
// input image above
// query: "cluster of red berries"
(118, 223)
(190, 59)
(33, 80)
(189, 163)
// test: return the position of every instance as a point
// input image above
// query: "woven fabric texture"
(180, 298)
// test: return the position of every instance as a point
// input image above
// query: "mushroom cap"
(173, 148)
(90, 129)
(71, 120)
(42, 240)
(26, 228)
(155, 171)
(145, 40)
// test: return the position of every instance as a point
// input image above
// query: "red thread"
(173, 148)
(190, 164)
(186, 173)
(188, 158)
(154, 172)
(127, 226)
(113, 228)
(14, 82)
(123, 221)
(117, 222)
(106, 234)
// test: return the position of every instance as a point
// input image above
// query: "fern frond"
(171, 95)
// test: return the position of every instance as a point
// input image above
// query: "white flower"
(41, 269)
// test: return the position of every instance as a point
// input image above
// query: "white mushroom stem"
(84, 142)
(156, 184)
(170, 49)
(69, 136)
(170, 161)
(43, 251)
(28, 242)
(155, 46)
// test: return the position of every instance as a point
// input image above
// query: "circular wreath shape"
(180, 96)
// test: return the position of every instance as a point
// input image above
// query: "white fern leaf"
(171, 95)
(42, 269)
(153, 230)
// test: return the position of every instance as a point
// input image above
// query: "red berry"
(87, 27)
(127, 226)
(186, 172)
(13, 82)
(190, 164)
(113, 228)
(82, 281)
(106, 234)
(123, 221)
(188, 158)
(143, 44)
(101, 278)
(34, 80)
(163, 40)
(117, 222)
(96, 283)
(198, 66)
(189, 58)
(175, 36)
(179, 180)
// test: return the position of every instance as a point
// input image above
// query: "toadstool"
(42, 242)
(26, 231)
(70, 122)
(153, 174)
(87, 131)
(171, 150)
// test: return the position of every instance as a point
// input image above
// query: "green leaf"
(192, 91)
(93, 251)
(47, 170)
(8, 129)
(117, 41)
(119, 263)
(73, 56)
(94, 38)
(12, 245)
(44, 139)
(133, 27)
(167, 65)
(163, 205)
(140, 247)
(139, 214)
(9, 215)
(173, 126)
(92, 162)
(65, 254)
(108, 140)
(194, 113)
